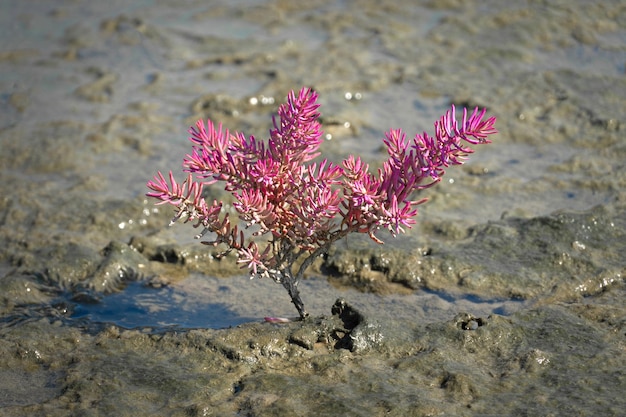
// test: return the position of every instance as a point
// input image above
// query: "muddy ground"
(507, 298)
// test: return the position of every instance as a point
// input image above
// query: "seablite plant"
(298, 208)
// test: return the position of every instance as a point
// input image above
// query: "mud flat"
(507, 298)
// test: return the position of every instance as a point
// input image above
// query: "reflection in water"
(139, 305)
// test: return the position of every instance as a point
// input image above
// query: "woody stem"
(291, 285)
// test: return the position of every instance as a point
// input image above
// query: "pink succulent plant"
(301, 207)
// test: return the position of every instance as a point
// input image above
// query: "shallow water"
(206, 302)
(104, 310)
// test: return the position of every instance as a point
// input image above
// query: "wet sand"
(507, 298)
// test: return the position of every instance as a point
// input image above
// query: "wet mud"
(507, 297)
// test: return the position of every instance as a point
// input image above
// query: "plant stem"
(291, 285)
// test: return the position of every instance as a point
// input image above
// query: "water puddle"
(139, 305)
(207, 302)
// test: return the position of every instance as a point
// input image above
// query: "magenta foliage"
(302, 206)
